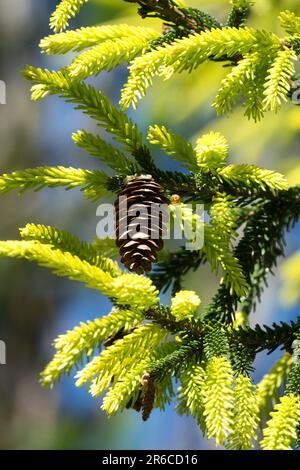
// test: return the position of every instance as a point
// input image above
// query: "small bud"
(145, 379)
(175, 199)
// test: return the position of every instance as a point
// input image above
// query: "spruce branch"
(269, 338)
(259, 338)
(124, 288)
(258, 251)
(174, 363)
(217, 244)
(255, 339)
(218, 399)
(268, 389)
(248, 75)
(281, 430)
(252, 176)
(133, 348)
(190, 392)
(174, 145)
(239, 13)
(172, 13)
(290, 22)
(89, 100)
(92, 182)
(188, 53)
(238, 181)
(84, 339)
(79, 39)
(126, 390)
(65, 241)
(278, 83)
(262, 86)
(105, 152)
(245, 416)
(108, 55)
(131, 391)
(215, 342)
(66, 10)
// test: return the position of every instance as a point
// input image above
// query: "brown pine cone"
(148, 396)
(139, 222)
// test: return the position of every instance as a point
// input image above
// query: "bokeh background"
(34, 305)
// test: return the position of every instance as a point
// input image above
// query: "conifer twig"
(172, 14)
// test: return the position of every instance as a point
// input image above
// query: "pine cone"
(148, 396)
(139, 222)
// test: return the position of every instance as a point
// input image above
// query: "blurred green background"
(34, 305)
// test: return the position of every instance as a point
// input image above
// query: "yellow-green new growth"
(251, 175)
(87, 99)
(224, 216)
(218, 399)
(214, 244)
(92, 182)
(119, 358)
(66, 10)
(239, 83)
(187, 223)
(217, 244)
(185, 304)
(127, 387)
(188, 53)
(66, 241)
(281, 430)
(290, 22)
(108, 55)
(211, 151)
(190, 392)
(268, 388)
(278, 83)
(82, 38)
(84, 339)
(105, 152)
(131, 289)
(245, 415)
(174, 145)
